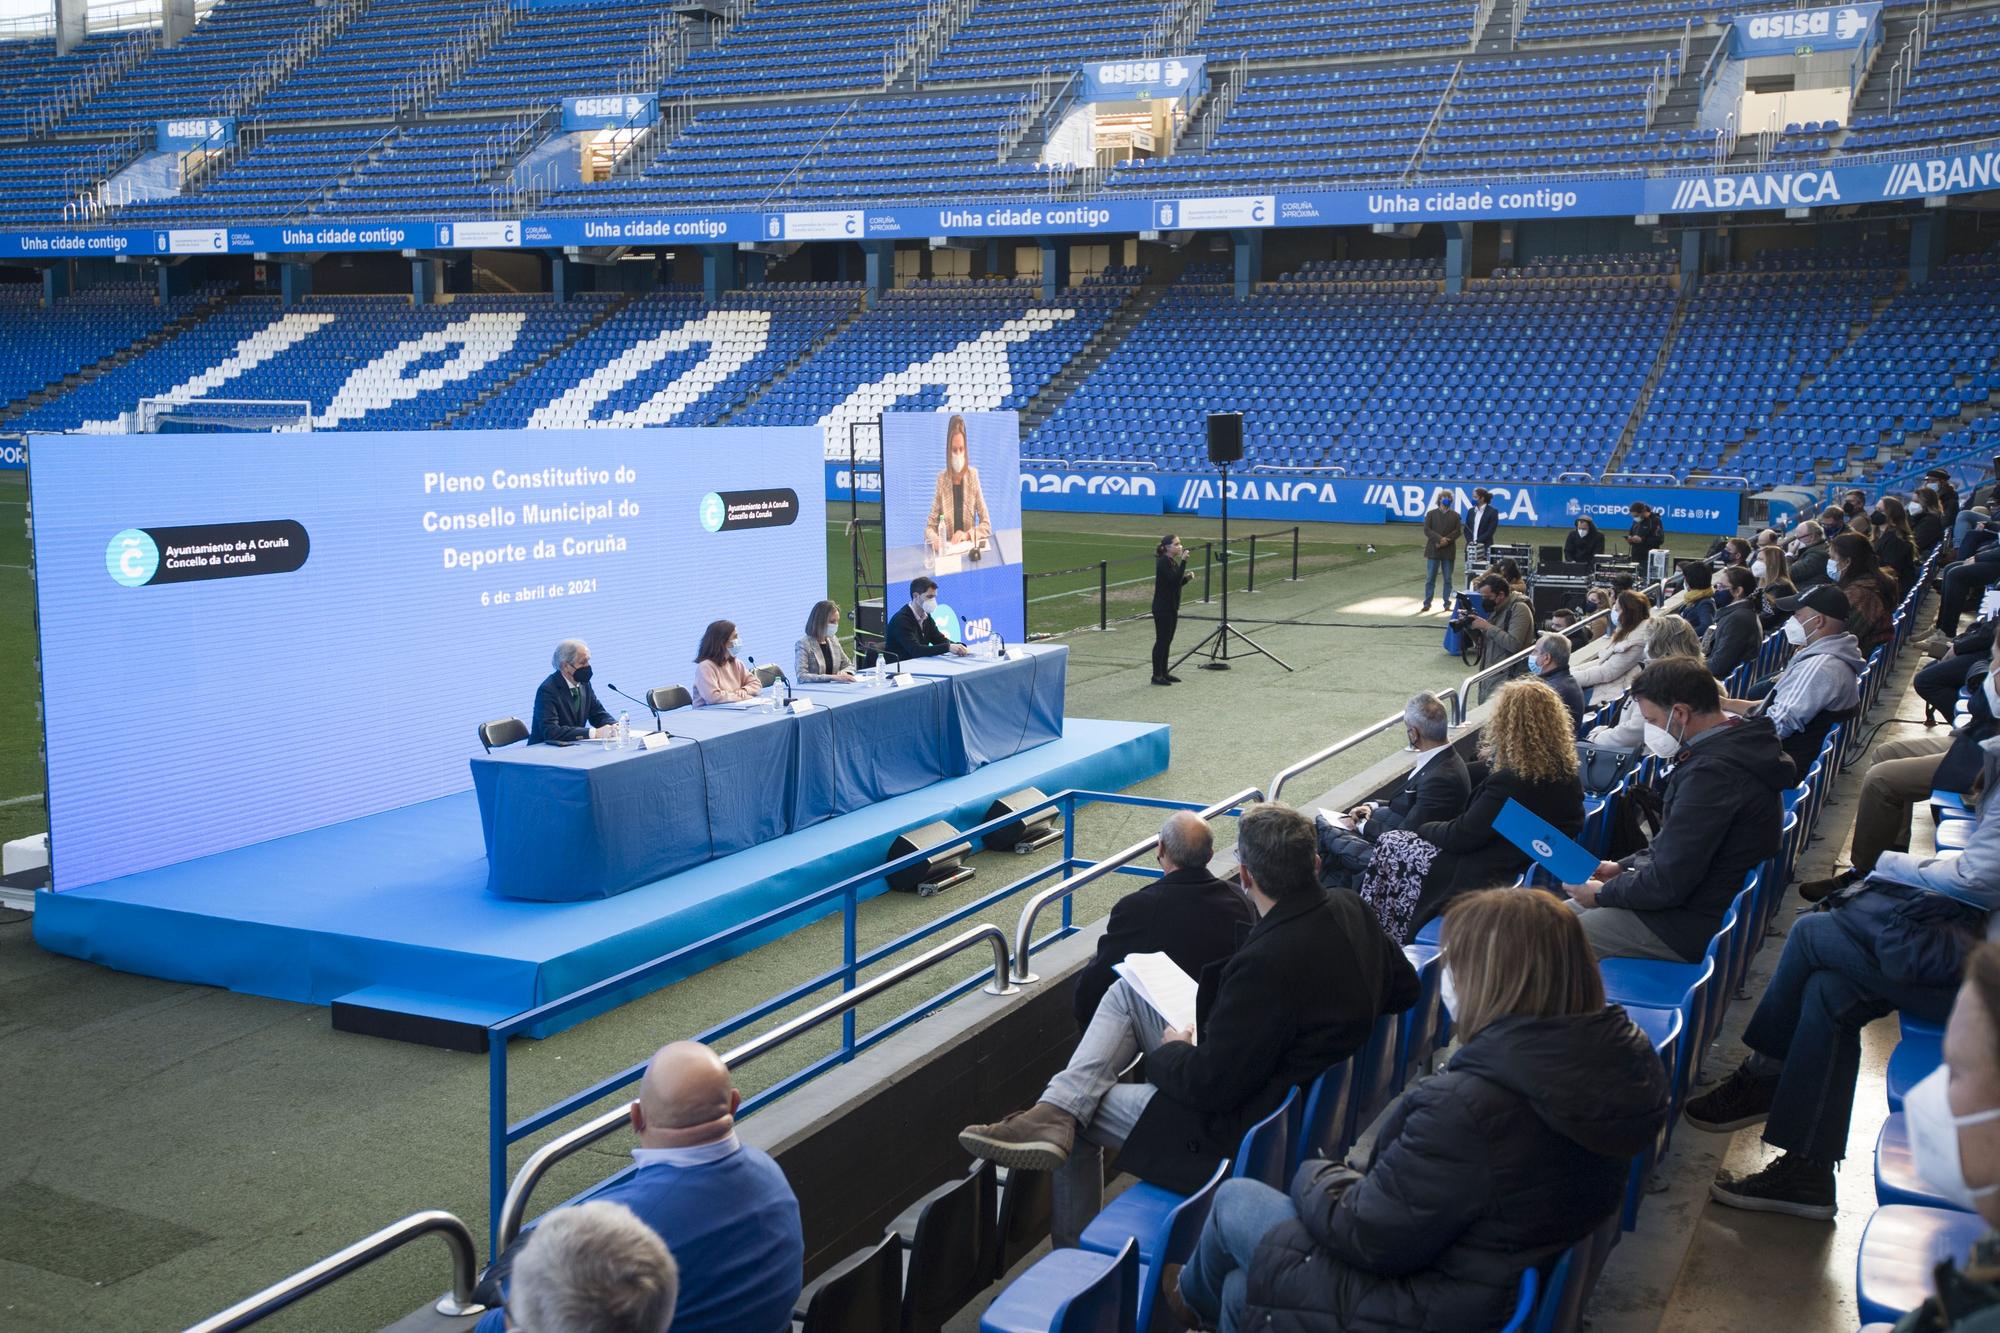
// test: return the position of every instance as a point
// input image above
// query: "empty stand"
(552, 51)
(799, 46)
(226, 49)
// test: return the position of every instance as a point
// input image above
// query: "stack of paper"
(1160, 982)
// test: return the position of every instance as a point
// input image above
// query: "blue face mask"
(1722, 594)
(1534, 666)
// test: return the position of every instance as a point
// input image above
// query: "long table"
(585, 821)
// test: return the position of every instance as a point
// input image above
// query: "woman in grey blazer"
(819, 655)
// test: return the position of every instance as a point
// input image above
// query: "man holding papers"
(1187, 914)
(1721, 818)
(1298, 996)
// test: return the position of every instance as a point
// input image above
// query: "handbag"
(1602, 767)
(1918, 938)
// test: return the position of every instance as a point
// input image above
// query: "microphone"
(657, 725)
(888, 656)
(1003, 644)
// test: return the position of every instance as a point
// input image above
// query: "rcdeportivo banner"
(1808, 187)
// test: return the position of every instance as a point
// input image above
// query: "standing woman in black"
(1169, 577)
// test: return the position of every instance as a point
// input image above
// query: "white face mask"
(1992, 691)
(1836, 569)
(1795, 632)
(1582, 531)
(1448, 994)
(1916, 508)
(958, 462)
(1759, 568)
(1934, 1137)
(734, 646)
(1614, 619)
(929, 605)
(1661, 742)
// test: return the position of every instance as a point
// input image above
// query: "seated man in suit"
(1298, 996)
(1187, 914)
(1439, 787)
(1551, 664)
(912, 632)
(566, 708)
(724, 1209)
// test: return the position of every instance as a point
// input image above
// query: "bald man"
(725, 1210)
(1187, 914)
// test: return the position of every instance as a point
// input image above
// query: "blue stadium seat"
(1915, 1057)
(1900, 1248)
(1896, 1178)
(1070, 1291)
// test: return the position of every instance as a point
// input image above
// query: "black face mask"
(582, 674)
(1878, 518)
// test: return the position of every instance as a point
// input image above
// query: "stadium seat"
(863, 1293)
(1070, 1291)
(1900, 1248)
(1915, 1056)
(951, 1242)
(1896, 1178)
(1322, 1131)
(1375, 1074)
(1165, 1227)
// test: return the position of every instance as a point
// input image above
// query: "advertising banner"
(626, 111)
(1140, 80)
(1800, 32)
(1100, 492)
(951, 509)
(213, 133)
(467, 556)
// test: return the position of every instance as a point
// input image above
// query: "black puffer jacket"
(1516, 1153)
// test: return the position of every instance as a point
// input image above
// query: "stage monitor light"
(1225, 437)
(1027, 834)
(943, 865)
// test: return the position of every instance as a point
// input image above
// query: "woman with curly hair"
(1530, 750)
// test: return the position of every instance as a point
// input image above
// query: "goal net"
(170, 416)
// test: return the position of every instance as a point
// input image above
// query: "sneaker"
(1037, 1139)
(1743, 1099)
(1791, 1184)
(1936, 649)
(1170, 1296)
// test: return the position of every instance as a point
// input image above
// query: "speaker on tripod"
(1225, 438)
(1225, 446)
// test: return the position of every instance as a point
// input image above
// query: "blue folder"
(1560, 854)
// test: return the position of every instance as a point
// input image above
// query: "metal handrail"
(1316, 469)
(1657, 592)
(457, 1238)
(1343, 745)
(1024, 930)
(513, 1209)
(1667, 477)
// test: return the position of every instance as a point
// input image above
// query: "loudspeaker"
(1023, 835)
(944, 852)
(1225, 437)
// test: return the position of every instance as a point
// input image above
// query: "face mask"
(1723, 595)
(930, 605)
(581, 675)
(734, 645)
(1448, 994)
(1759, 568)
(1837, 569)
(958, 462)
(1614, 620)
(1916, 509)
(1582, 531)
(1795, 632)
(1934, 1137)
(1878, 518)
(1534, 666)
(1661, 742)
(1992, 691)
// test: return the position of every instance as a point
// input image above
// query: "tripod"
(1216, 642)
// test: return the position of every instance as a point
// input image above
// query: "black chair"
(951, 1235)
(863, 1293)
(507, 731)
(1027, 1204)
(669, 697)
(767, 674)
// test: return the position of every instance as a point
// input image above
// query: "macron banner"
(1143, 80)
(1800, 32)
(625, 111)
(1096, 492)
(213, 133)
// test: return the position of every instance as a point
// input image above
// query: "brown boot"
(1170, 1294)
(1037, 1139)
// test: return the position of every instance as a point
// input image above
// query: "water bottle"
(625, 731)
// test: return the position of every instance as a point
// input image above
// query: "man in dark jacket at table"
(1299, 995)
(1187, 914)
(912, 633)
(566, 708)
(1720, 820)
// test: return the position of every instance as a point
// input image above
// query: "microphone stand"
(658, 725)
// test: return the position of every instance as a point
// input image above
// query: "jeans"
(1216, 1281)
(1436, 572)
(1939, 683)
(1961, 586)
(1826, 988)
(1123, 1027)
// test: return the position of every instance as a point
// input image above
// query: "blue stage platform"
(392, 912)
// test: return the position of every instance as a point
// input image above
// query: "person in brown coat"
(1441, 533)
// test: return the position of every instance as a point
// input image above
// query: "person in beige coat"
(958, 508)
(1623, 652)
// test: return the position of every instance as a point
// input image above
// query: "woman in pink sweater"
(718, 677)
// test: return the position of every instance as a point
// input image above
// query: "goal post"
(172, 416)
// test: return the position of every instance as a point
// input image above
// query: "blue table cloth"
(582, 821)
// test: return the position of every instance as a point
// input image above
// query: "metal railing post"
(457, 1237)
(1250, 579)
(1103, 591)
(1295, 553)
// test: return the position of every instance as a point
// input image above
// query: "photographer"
(1506, 627)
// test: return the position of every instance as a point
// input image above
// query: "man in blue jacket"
(725, 1210)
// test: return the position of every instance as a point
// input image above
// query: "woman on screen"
(959, 516)
(718, 677)
(820, 656)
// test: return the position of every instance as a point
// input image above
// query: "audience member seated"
(1870, 590)
(1187, 914)
(1298, 996)
(594, 1268)
(1963, 582)
(566, 708)
(1585, 543)
(1904, 773)
(1506, 622)
(1720, 819)
(1438, 788)
(1738, 631)
(1953, 1117)
(912, 633)
(1897, 943)
(1821, 685)
(1617, 660)
(1518, 1150)
(1939, 482)
(719, 678)
(1550, 664)
(1927, 525)
(1895, 544)
(1807, 552)
(1939, 683)
(1530, 753)
(1698, 604)
(1666, 636)
(725, 1210)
